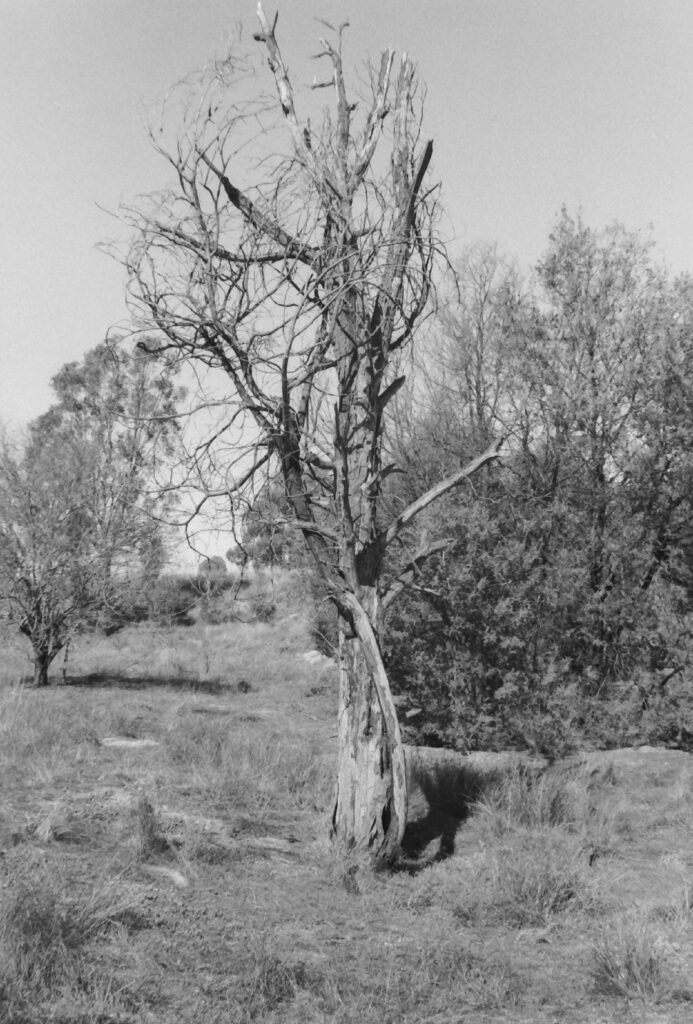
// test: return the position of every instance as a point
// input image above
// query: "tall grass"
(46, 929)
(527, 882)
(261, 775)
(523, 798)
(413, 979)
(274, 978)
(439, 973)
(42, 727)
(629, 962)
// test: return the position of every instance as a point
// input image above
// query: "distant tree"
(269, 535)
(301, 272)
(458, 399)
(213, 570)
(78, 498)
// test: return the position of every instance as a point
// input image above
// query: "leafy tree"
(77, 499)
(590, 362)
(296, 261)
(569, 569)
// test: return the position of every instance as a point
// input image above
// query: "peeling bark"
(370, 812)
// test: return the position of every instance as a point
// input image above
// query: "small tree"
(76, 498)
(303, 289)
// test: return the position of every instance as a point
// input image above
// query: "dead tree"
(302, 291)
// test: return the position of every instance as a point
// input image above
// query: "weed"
(205, 849)
(431, 978)
(443, 967)
(196, 743)
(39, 729)
(130, 726)
(677, 914)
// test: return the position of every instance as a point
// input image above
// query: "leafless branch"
(448, 484)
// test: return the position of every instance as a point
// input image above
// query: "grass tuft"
(629, 963)
(523, 798)
(275, 979)
(527, 882)
(44, 931)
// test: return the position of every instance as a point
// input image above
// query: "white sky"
(531, 104)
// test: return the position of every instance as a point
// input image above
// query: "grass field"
(164, 858)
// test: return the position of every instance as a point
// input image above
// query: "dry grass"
(45, 928)
(528, 882)
(191, 879)
(263, 775)
(533, 799)
(631, 959)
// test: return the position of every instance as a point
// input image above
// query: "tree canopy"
(78, 497)
(564, 602)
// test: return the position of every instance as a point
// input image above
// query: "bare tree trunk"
(371, 798)
(42, 662)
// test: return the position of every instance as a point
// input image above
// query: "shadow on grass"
(450, 791)
(188, 683)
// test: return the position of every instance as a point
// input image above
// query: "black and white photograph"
(346, 512)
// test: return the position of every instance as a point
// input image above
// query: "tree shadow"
(186, 683)
(449, 791)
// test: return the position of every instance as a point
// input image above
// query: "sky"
(532, 104)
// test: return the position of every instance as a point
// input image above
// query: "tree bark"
(370, 811)
(42, 662)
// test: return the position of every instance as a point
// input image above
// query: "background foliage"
(561, 612)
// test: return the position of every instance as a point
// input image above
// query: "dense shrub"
(172, 599)
(504, 641)
(568, 587)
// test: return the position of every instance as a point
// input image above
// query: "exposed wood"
(408, 574)
(448, 484)
(386, 846)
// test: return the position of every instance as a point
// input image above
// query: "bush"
(504, 643)
(172, 599)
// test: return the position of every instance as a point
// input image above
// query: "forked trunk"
(371, 798)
